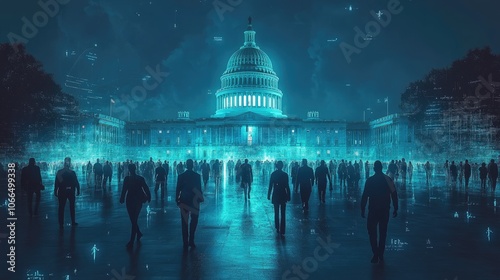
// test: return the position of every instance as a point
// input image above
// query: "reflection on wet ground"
(442, 232)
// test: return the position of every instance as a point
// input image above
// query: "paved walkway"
(440, 233)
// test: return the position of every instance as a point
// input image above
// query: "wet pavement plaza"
(442, 232)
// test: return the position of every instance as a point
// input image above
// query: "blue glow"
(34, 275)
(94, 251)
(396, 245)
(488, 233)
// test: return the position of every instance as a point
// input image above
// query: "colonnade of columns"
(251, 100)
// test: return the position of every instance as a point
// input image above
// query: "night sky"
(313, 72)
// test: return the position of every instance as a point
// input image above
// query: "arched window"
(239, 98)
(258, 101)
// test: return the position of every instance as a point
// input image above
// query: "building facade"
(248, 122)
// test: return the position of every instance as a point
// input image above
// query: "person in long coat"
(136, 192)
(280, 190)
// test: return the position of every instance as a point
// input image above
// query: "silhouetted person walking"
(321, 175)
(280, 189)
(160, 179)
(428, 171)
(483, 173)
(493, 174)
(137, 192)
(188, 196)
(453, 172)
(295, 170)
(379, 189)
(205, 173)
(467, 172)
(246, 178)
(107, 170)
(98, 172)
(404, 170)
(342, 172)
(305, 179)
(410, 171)
(89, 173)
(216, 168)
(66, 184)
(31, 182)
(119, 171)
(392, 169)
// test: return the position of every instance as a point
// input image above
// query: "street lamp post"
(364, 113)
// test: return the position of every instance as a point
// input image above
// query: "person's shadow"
(191, 265)
(134, 259)
(378, 272)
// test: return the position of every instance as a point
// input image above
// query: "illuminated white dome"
(249, 83)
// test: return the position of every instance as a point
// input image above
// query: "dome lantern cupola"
(250, 35)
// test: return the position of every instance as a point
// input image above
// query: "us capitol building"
(248, 123)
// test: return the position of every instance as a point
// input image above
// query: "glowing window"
(258, 101)
(244, 100)
(253, 100)
(264, 101)
(230, 102)
(239, 100)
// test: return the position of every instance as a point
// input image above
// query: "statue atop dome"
(249, 20)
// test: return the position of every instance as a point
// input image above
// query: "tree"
(456, 82)
(451, 97)
(31, 101)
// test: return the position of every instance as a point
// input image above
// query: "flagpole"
(111, 107)
(387, 99)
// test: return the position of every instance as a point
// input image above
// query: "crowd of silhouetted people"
(283, 178)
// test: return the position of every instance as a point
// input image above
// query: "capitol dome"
(250, 59)
(249, 83)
